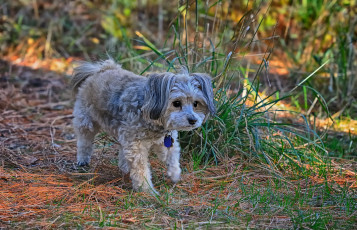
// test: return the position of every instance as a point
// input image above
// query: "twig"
(48, 226)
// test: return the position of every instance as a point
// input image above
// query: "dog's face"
(179, 102)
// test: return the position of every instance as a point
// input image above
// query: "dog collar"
(168, 141)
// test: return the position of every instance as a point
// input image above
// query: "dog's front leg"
(137, 156)
(170, 156)
(173, 162)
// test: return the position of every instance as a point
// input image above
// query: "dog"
(144, 114)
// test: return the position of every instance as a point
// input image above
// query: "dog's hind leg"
(85, 140)
(85, 130)
(123, 162)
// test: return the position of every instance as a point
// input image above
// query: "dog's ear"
(157, 95)
(206, 87)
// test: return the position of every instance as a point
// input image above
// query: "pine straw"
(40, 185)
(43, 198)
(28, 195)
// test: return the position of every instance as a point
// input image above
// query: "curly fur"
(139, 112)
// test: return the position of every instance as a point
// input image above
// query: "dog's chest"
(139, 131)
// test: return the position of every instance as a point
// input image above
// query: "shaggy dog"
(142, 113)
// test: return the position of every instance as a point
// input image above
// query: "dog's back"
(106, 93)
(87, 69)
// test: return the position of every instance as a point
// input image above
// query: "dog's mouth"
(185, 125)
(187, 128)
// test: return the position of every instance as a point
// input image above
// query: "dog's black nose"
(192, 120)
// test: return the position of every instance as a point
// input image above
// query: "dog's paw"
(147, 189)
(82, 163)
(174, 174)
(83, 160)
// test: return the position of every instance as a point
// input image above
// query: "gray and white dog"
(142, 113)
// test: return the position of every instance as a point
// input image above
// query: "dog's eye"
(195, 104)
(176, 104)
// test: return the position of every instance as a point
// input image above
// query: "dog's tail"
(87, 69)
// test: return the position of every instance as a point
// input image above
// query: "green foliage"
(250, 132)
(325, 30)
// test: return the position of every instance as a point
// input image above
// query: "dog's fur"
(139, 112)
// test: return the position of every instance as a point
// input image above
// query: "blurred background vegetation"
(301, 34)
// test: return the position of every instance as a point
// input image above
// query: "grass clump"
(320, 37)
(245, 124)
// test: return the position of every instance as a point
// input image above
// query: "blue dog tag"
(168, 141)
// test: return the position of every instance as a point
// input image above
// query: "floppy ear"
(206, 87)
(157, 93)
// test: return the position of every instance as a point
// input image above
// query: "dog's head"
(179, 101)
